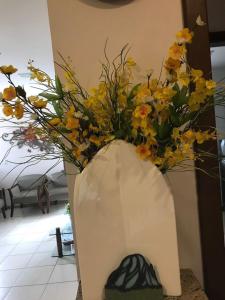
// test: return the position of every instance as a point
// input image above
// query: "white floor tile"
(48, 246)
(15, 262)
(42, 259)
(63, 273)
(5, 250)
(34, 276)
(33, 292)
(34, 237)
(11, 239)
(66, 260)
(2, 257)
(59, 291)
(25, 248)
(3, 293)
(8, 278)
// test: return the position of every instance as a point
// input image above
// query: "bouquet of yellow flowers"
(158, 116)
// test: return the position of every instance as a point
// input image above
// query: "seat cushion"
(26, 196)
(58, 179)
(55, 191)
(30, 182)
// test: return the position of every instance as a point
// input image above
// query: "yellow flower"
(142, 93)
(70, 112)
(9, 93)
(72, 123)
(76, 152)
(130, 62)
(196, 74)
(7, 110)
(188, 136)
(184, 78)
(153, 85)
(196, 98)
(40, 103)
(185, 36)
(177, 51)
(37, 102)
(210, 84)
(172, 64)
(202, 136)
(73, 135)
(142, 111)
(200, 84)
(55, 121)
(38, 74)
(165, 93)
(97, 140)
(143, 151)
(122, 99)
(176, 134)
(8, 69)
(19, 110)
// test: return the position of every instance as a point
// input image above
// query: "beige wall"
(80, 28)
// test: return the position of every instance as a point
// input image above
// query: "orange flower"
(185, 36)
(143, 151)
(142, 111)
(9, 93)
(172, 64)
(19, 111)
(7, 110)
(177, 51)
(72, 123)
(8, 69)
(55, 121)
(40, 103)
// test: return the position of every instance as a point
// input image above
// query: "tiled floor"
(27, 269)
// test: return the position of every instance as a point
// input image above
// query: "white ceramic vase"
(123, 206)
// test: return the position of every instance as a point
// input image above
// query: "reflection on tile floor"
(27, 269)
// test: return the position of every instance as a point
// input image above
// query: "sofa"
(2, 202)
(39, 189)
(26, 191)
(57, 186)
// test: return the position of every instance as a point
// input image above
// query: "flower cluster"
(158, 116)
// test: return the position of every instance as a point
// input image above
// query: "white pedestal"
(124, 206)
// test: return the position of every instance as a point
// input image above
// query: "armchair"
(27, 191)
(3, 202)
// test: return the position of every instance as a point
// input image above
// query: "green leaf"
(57, 108)
(174, 117)
(133, 93)
(50, 97)
(58, 86)
(181, 96)
(164, 131)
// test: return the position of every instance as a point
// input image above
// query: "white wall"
(80, 28)
(25, 34)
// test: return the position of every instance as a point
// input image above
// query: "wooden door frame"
(208, 189)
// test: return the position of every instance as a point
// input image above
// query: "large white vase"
(123, 206)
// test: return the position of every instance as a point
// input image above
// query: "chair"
(3, 202)
(26, 191)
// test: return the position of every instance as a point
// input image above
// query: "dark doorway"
(209, 189)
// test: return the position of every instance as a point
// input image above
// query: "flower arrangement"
(158, 116)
